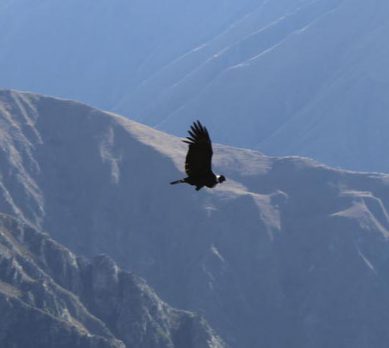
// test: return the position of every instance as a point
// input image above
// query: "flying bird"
(198, 162)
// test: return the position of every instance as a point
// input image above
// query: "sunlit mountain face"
(286, 252)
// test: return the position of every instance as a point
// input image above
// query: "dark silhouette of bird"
(198, 162)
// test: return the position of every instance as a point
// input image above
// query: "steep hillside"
(227, 71)
(51, 298)
(186, 78)
(287, 252)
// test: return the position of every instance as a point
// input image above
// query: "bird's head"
(221, 178)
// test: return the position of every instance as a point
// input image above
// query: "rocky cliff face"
(51, 298)
(287, 252)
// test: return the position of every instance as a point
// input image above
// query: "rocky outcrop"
(51, 298)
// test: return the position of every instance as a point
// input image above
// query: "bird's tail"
(177, 182)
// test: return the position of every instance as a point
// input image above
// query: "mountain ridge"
(264, 256)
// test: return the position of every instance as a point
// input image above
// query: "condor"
(198, 162)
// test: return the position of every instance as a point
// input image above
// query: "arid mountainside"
(287, 252)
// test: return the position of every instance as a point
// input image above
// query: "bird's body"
(198, 162)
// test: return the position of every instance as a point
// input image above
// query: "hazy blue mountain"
(99, 51)
(305, 77)
(51, 298)
(287, 252)
(313, 81)
(181, 81)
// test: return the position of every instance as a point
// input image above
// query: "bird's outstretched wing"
(199, 157)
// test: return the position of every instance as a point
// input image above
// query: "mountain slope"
(98, 52)
(287, 252)
(187, 77)
(64, 301)
(215, 74)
